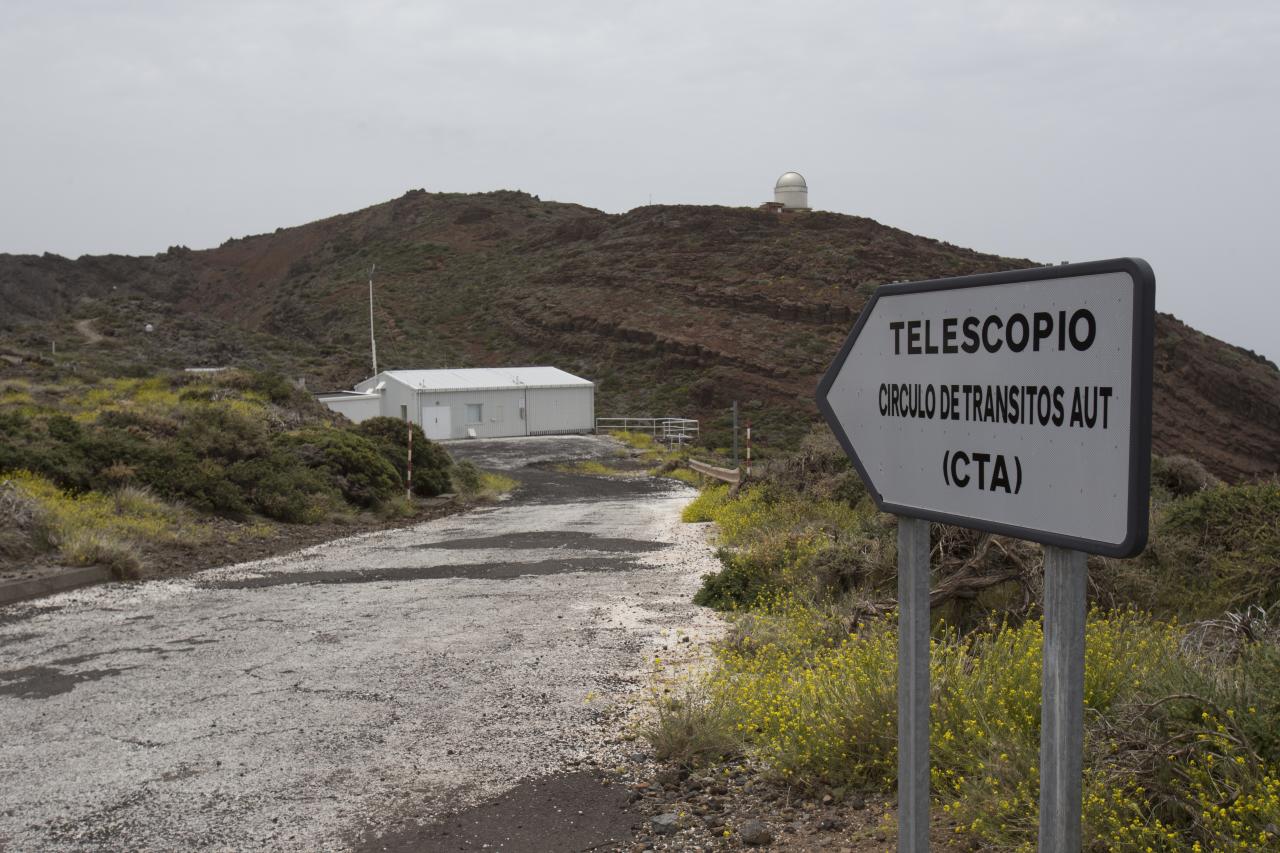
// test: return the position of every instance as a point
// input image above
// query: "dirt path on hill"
(351, 695)
(85, 328)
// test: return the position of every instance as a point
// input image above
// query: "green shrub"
(140, 423)
(281, 487)
(1229, 519)
(16, 435)
(176, 473)
(271, 386)
(819, 469)
(835, 570)
(773, 539)
(28, 444)
(220, 432)
(1215, 550)
(742, 580)
(1180, 476)
(472, 483)
(353, 463)
(1180, 748)
(703, 507)
(466, 477)
(217, 443)
(76, 456)
(431, 463)
(397, 507)
(63, 428)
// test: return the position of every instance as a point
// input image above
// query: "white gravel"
(179, 715)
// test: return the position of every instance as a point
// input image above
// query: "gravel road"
(320, 699)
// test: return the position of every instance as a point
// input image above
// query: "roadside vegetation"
(106, 471)
(1182, 663)
(641, 455)
(473, 484)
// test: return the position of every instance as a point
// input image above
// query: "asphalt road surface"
(345, 696)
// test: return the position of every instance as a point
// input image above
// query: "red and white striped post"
(408, 477)
(748, 448)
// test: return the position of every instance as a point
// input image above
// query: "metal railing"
(728, 475)
(666, 430)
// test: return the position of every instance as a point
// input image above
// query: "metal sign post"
(1062, 700)
(913, 684)
(1018, 403)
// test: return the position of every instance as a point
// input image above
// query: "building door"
(436, 423)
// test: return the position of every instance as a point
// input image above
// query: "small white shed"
(356, 406)
(488, 402)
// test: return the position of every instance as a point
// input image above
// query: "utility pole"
(373, 344)
(735, 433)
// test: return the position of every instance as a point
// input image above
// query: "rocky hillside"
(673, 310)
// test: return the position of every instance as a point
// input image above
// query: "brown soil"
(714, 804)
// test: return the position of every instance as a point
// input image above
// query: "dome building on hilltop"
(791, 191)
(790, 194)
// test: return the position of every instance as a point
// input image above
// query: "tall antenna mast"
(373, 344)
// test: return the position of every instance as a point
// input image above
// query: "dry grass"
(693, 728)
(101, 529)
(474, 484)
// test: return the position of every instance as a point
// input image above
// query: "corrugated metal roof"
(477, 378)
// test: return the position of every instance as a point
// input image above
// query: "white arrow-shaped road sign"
(1015, 402)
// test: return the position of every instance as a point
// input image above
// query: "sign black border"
(1144, 302)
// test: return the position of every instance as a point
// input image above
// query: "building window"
(404, 413)
(475, 413)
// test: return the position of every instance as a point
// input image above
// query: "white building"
(791, 192)
(487, 402)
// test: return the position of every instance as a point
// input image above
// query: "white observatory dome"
(791, 191)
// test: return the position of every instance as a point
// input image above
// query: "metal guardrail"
(728, 475)
(666, 430)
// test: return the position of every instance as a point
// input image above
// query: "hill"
(672, 310)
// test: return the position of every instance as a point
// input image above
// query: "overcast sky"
(1055, 131)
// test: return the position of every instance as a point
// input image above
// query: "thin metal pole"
(1062, 700)
(913, 685)
(373, 344)
(735, 433)
(408, 476)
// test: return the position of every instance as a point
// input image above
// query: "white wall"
(394, 396)
(500, 411)
(562, 409)
(505, 411)
(357, 409)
